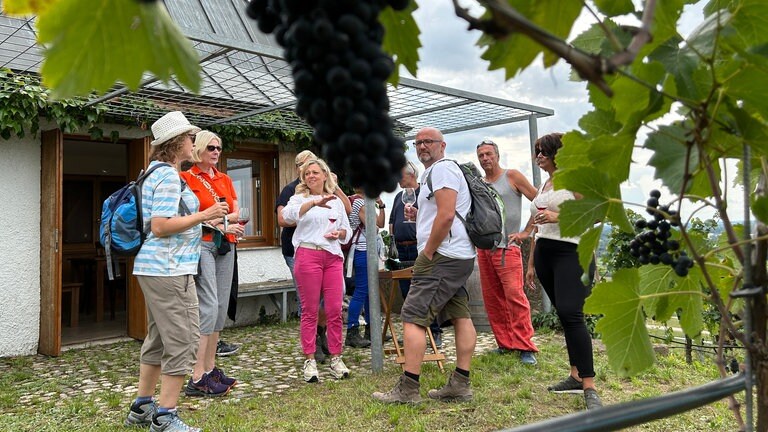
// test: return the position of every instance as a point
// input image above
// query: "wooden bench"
(270, 288)
(73, 288)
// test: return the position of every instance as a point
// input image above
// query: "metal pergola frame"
(246, 81)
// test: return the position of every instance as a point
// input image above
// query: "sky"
(449, 57)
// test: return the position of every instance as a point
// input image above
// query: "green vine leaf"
(588, 245)
(401, 38)
(623, 324)
(615, 7)
(664, 294)
(599, 201)
(112, 41)
(669, 145)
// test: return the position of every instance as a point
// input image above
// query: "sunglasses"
(211, 148)
(487, 142)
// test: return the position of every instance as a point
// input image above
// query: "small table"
(396, 275)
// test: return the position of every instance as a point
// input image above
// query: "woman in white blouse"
(321, 227)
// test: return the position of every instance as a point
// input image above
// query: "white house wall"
(19, 246)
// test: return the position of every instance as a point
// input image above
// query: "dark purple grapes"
(654, 243)
(340, 72)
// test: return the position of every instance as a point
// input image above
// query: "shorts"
(437, 290)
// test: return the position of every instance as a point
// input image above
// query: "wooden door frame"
(51, 178)
(138, 159)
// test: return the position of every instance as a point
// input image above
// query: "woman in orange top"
(214, 281)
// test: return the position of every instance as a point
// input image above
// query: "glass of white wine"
(409, 199)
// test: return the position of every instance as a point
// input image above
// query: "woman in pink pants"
(321, 227)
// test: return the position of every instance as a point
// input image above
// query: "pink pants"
(509, 312)
(319, 273)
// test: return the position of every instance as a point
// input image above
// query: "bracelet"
(381, 207)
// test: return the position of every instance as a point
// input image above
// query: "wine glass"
(409, 199)
(333, 216)
(541, 205)
(243, 217)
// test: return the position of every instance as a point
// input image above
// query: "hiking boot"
(141, 415)
(354, 339)
(322, 341)
(406, 391)
(338, 368)
(170, 423)
(319, 354)
(224, 349)
(367, 336)
(592, 399)
(207, 386)
(456, 389)
(310, 371)
(438, 338)
(568, 385)
(218, 375)
(527, 357)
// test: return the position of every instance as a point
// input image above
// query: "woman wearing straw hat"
(164, 267)
(216, 263)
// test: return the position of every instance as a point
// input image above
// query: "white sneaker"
(310, 370)
(338, 368)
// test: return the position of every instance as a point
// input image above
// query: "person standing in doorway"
(501, 271)
(404, 233)
(445, 261)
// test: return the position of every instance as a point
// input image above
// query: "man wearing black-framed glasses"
(501, 271)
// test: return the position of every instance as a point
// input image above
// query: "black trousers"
(557, 267)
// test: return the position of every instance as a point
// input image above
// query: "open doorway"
(92, 306)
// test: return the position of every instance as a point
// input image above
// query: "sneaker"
(456, 389)
(141, 415)
(206, 387)
(338, 368)
(406, 391)
(310, 371)
(527, 357)
(218, 375)
(170, 423)
(224, 349)
(568, 385)
(592, 399)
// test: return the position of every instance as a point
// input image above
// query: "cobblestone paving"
(268, 363)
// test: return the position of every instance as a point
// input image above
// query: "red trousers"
(506, 304)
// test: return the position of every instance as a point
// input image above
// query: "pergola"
(246, 82)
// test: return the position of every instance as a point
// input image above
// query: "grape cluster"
(339, 73)
(654, 244)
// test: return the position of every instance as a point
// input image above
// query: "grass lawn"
(90, 389)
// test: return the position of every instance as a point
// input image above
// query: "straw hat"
(171, 125)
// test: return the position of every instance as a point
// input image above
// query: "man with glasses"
(404, 234)
(286, 241)
(501, 271)
(445, 261)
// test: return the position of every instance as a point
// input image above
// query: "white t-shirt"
(445, 174)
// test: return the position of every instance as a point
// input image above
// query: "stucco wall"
(19, 246)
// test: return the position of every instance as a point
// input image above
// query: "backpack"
(484, 222)
(121, 230)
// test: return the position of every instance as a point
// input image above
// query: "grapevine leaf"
(669, 160)
(635, 97)
(401, 38)
(748, 24)
(112, 41)
(26, 7)
(664, 24)
(753, 131)
(600, 200)
(575, 150)
(760, 208)
(599, 122)
(747, 86)
(559, 17)
(615, 7)
(623, 324)
(587, 246)
(664, 294)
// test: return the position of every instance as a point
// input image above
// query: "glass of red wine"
(541, 205)
(333, 216)
(243, 217)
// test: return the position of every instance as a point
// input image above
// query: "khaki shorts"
(173, 325)
(437, 290)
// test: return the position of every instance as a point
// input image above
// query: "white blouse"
(552, 199)
(315, 223)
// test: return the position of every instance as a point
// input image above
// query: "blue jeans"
(289, 261)
(359, 299)
(409, 253)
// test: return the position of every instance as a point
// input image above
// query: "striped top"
(176, 254)
(354, 222)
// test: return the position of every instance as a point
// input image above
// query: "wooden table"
(100, 264)
(386, 303)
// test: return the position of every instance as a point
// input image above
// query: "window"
(254, 176)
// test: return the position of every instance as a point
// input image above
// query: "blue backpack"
(121, 231)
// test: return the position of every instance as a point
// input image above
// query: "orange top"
(220, 183)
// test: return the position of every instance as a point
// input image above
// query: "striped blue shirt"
(176, 254)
